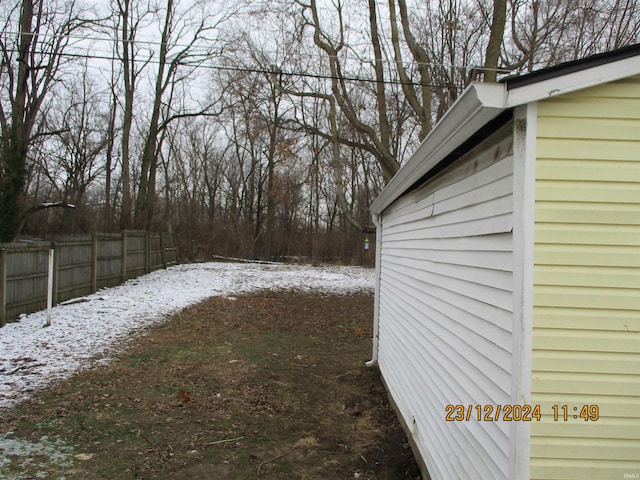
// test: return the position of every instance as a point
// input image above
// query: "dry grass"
(269, 386)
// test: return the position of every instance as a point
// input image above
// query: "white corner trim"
(525, 131)
(376, 299)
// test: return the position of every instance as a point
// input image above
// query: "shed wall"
(445, 335)
(586, 315)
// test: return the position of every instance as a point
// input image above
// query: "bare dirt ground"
(270, 386)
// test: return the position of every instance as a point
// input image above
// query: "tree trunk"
(149, 162)
(495, 40)
(127, 115)
(13, 151)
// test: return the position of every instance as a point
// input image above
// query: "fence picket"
(83, 265)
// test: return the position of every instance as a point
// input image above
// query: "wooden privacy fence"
(82, 265)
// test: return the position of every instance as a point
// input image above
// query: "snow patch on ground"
(89, 331)
(37, 455)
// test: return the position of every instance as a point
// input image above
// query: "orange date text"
(492, 413)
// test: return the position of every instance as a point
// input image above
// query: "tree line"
(250, 128)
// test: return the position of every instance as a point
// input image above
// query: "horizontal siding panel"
(495, 260)
(586, 340)
(486, 196)
(587, 297)
(592, 469)
(588, 192)
(455, 268)
(450, 228)
(446, 301)
(589, 128)
(588, 171)
(587, 362)
(591, 107)
(477, 187)
(481, 333)
(611, 407)
(584, 448)
(420, 389)
(498, 242)
(492, 260)
(584, 212)
(588, 234)
(587, 255)
(587, 319)
(594, 155)
(588, 276)
(585, 384)
(474, 213)
(438, 390)
(428, 424)
(442, 349)
(446, 310)
(484, 226)
(492, 182)
(475, 292)
(610, 429)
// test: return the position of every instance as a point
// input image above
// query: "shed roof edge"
(482, 102)
(477, 105)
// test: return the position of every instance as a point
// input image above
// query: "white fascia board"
(477, 105)
(574, 81)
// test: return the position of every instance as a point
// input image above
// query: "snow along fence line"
(82, 265)
(90, 331)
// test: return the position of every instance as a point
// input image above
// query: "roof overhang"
(482, 102)
(478, 104)
(538, 86)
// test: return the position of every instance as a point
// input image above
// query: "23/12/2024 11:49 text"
(519, 413)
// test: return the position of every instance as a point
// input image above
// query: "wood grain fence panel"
(170, 251)
(26, 280)
(82, 265)
(74, 263)
(136, 253)
(109, 261)
(155, 252)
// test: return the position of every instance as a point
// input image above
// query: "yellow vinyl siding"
(589, 234)
(549, 317)
(586, 316)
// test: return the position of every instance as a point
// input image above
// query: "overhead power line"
(159, 44)
(260, 70)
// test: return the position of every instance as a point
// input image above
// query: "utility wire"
(264, 71)
(159, 44)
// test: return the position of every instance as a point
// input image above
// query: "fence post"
(56, 264)
(124, 256)
(147, 253)
(94, 263)
(175, 248)
(51, 283)
(164, 258)
(3, 286)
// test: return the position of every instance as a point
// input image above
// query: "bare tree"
(74, 155)
(420, 102)
(494, 45)
(186, 41)
(33, 41)
(437, 67)
(547, 32)
(128, 20)
(179, 58)
(376, 137)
